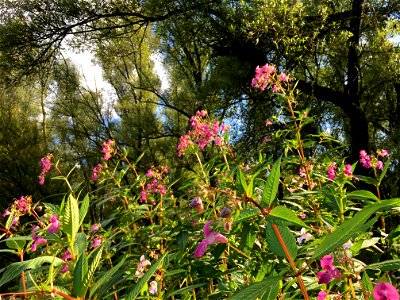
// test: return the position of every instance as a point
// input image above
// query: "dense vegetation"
(252, 160)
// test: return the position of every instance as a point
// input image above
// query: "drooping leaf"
(362, 194)
(352, 227)
(275, 246)
(80, 273)
(83, 209)
(272, 184)
(282, 215)
(385, 266)
(15, 244)
(15, 269)
(256, 289)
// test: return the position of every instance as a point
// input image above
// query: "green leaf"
(71, 218)
(105, 278)
(352, 227)
(247, 213)
(80, 244)
(83, 209)
(93, 266)
(240, 181)
(272, 292)
(272, 184)
(385, 266)
(186, 289)
(282, 215)
(367, 179)
(15, 269)
(362, 194)
(366, 282)
(80, 273)
(274, 244)
(255, 290)
(385, 168)
(15, 244)
(142, 281)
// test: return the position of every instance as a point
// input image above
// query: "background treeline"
(344, 54)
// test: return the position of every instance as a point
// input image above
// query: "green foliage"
(235, 228)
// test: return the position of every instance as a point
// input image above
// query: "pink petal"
(219, 238)
(201, 249)
(207, 230)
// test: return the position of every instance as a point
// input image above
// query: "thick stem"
(291, 262)
(23, 283)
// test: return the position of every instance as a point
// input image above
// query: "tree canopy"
(344, 54)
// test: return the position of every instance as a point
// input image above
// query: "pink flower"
(302, 172)
(142, 264)
(365, 159)
(268, 123)
(303, 216)
(95, 227)
(347, 170)
(331, 171)
(23, 204)
(64, 269)
(143, 196)
(385, 291)
(37, 241)
(108, 149)
(55, 224)
(211, 237)
(95, 172)
(201, 113)
(283, 77)
(383, 153)
(322, 295)
(153, 287)
(6, 213)
(45, 162)
(379, 165)
(67, 255)
(35, 228)
(330, 271)
(96, 242)
(274, 88)
(197, 204)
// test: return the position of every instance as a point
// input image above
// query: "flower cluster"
(23, 204)
(329, 272)
(264, 77)
(108, 149)
(201, 133)
(37, 240)
(155, 184)
(385, 291)
(369, 161)
(141, 267)
(45, 162)
(331, 171)
(95, 172)
(67, 256)
(55, 224)
(347, 170)
(211, 237)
